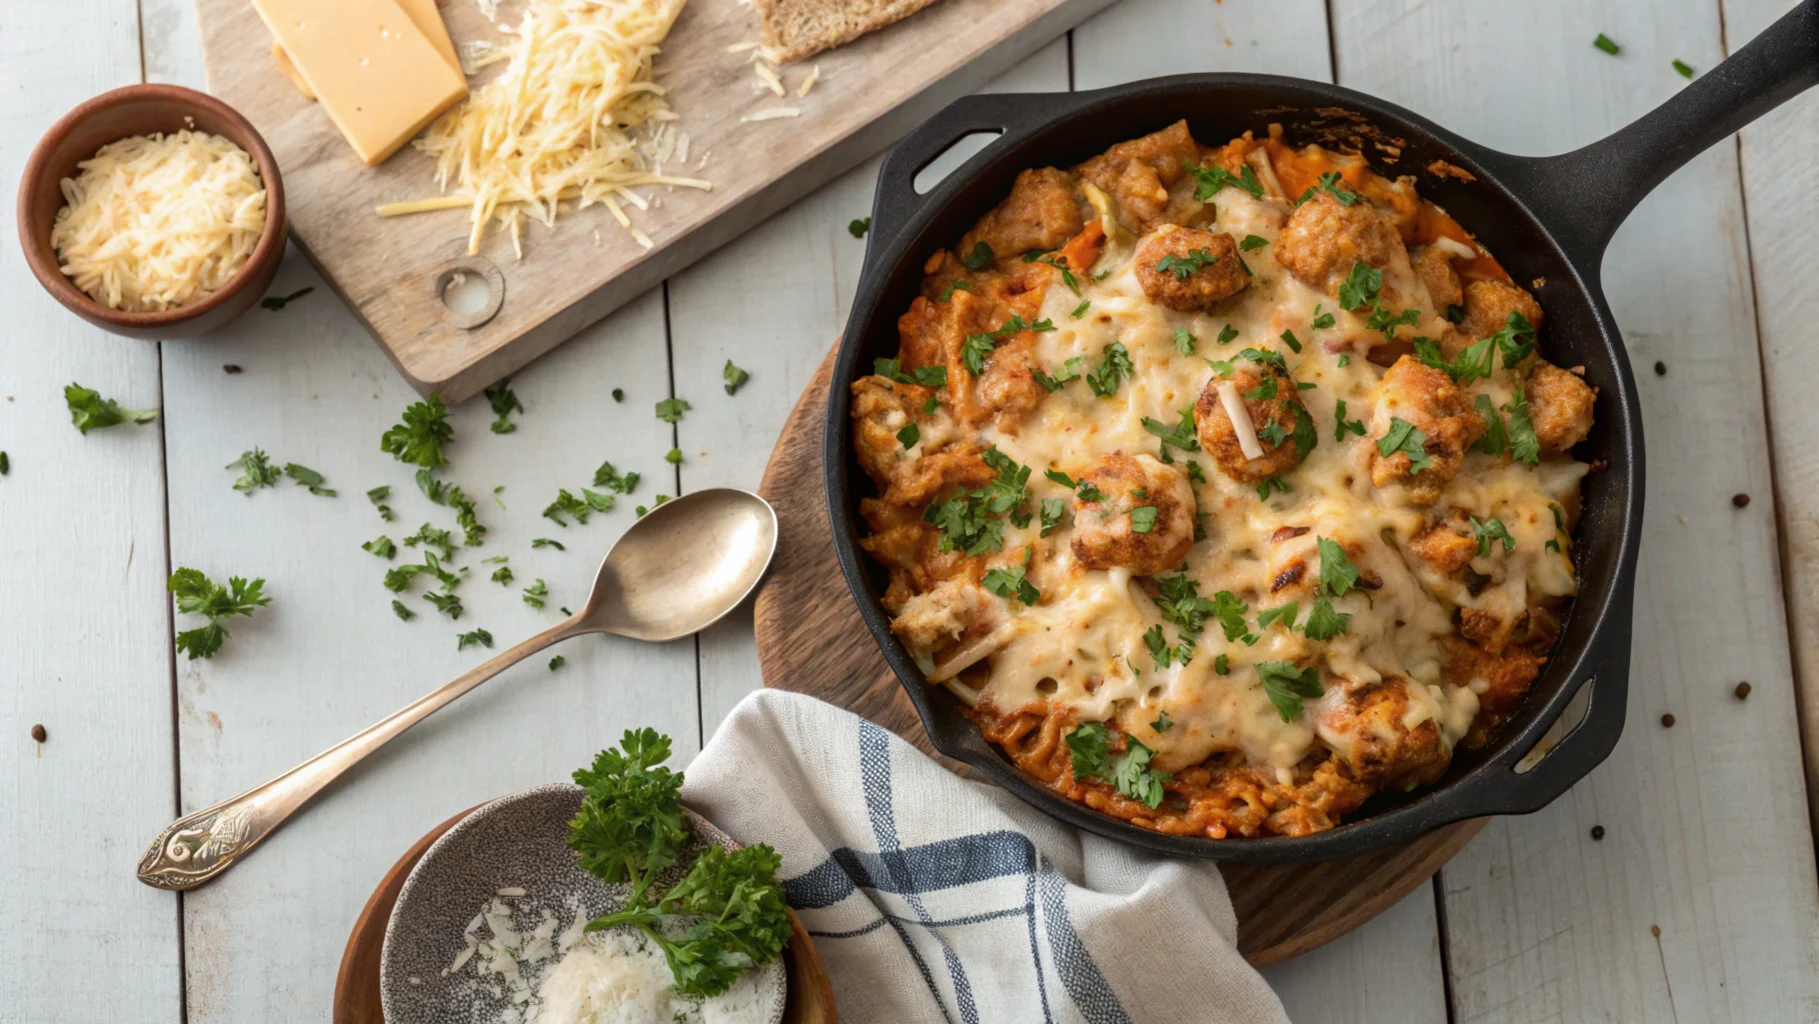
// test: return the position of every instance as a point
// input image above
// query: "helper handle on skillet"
(1583, 196)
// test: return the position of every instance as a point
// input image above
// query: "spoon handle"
(205, 843)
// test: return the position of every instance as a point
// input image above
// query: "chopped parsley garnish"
(1089, 745)
(908, 436)
(978, 346)
(503, 575)
(454, 497)
(1070, 371)
(1488, 531)
(504, 402)
(958, 284)
(1515, 339)
(6, 464)
(580, 508)
(1321, 320)
(1553, 545)
(278, 302)
(1011, 583)
(1162, 723)
(1331, 183)
(1294, 343)
(733, 377)
(980, 257)
(1080, 310)
(1252, 243)
(1181, 435)
(1184, 266)
(674, 455)
(419, 438)
(1685, 69)
(1222, 665)
(618, 394)
(670, 410)
(256, 471)
(1089, 494)
(1231, 613)
(1345, 360)
(1337, 573)
(613, 480)
(198, 595)
(1264, 391)
(1286, 613)
(1603, 42)
(1114, 365)
(1053, 511)
(1227, 334)
(557, 662)
(1323, 623)
(382, 546)
(1287, 686)
(1381, 320)
(1185, 341)
(1361, 286)
(447, 604)
(89, 411)
(969, 521)
(1209, 180)
(1059, 477)
(858, 226)
(1473, 362)
(1272, 485)
(1408, 439)
(535, 594)
(1143, 519)
(1272, 433)
(1059, 263)
(1306, 438)
(478, 638)
(377, 496)
(1355, 426)
(1524, 445)
(307, 477)
(545, 542)
(402, 612)
(430, 537)
(1495, 438)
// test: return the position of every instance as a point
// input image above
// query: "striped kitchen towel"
(932, 898)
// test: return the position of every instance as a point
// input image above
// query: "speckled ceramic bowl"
(518, 841)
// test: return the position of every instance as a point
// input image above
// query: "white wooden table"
(1698, 904)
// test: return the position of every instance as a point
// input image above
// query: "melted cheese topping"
(157, 222)
(1082, 646)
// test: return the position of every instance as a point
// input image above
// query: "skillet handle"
(1500, 789)
(1015, 115)
(1590, 191)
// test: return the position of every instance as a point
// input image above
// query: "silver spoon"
(675, 572)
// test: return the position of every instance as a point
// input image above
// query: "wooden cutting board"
(811, 640)
(387, 270)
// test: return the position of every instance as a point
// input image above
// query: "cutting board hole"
(1564, 726)
(950, 159)
(470, 290)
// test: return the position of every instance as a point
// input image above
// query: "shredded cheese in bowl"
(157, 222)
(568, 119)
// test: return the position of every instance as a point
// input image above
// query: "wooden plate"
(811, 640)
(811, 995)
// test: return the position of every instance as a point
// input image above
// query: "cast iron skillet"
(1545, 218)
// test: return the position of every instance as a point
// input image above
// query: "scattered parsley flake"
(535, 594)
(1287, 686)
(733, 377)
(1209, 180)
(1403, 436)
(1113, 365)
(980, 257)
(670, 410)
(198, 595)
(1360, 287)
(307, 477)
(89, 411)
(1685, 69)
(909, 435)
(1330, 183)
(1252, 243)
(545, 542)
(1080, 310)
(859, 226)
(504, 402)
(401, 611)
(382, 546)
(1488, 531)
(1184, 266)
(478, 637)
(1603, 42)
(557, 662)
(419, 438)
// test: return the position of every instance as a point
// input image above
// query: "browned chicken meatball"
(1142, 518)
(1375, 742)
(1446, 543)
(1040, 213)
(1275, 408)
(1325, 237)
(1501, 681)
(1488, 305)
(1188, 269)
(1145, 178)
(912, 476)
(1434, 266)
(1559, 405)
(1444, 426)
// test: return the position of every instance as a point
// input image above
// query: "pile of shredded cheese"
(569, 119)
(158, 222)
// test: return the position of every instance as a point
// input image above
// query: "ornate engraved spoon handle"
(205, 843)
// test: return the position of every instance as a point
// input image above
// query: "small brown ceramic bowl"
(142, 110)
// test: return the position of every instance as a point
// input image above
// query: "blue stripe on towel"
(1085, 985)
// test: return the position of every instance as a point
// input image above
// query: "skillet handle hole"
(1569, 721)
(950, 159)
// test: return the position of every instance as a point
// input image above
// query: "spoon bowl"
(678, 570)
(683, 566)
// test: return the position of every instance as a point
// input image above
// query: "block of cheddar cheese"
(377, 74)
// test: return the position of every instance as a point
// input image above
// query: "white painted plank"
(1780, 156)
(85, 650)
(1143, 39)
(328, 656)
(1700, 902)
(774, 302)
(1393, 960)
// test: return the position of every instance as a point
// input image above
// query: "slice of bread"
(794, 29)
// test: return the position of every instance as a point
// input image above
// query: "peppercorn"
(1740, 500)
(1743, 690)
(1667, 721)
(39, 734)
(1660, 368)
(1597, 831)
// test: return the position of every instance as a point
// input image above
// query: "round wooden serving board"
(811, 994)
(811, 640)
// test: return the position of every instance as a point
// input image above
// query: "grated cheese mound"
(568, 119)
(158, 222)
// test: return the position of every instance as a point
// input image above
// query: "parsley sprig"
(198, 595)
(89, 411)
(419, 437)
(1209, 180)
(1286, 686)
(978, 346)
(1089, 745)
(1184, 266)
(1331, 183)
(1410, 440)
